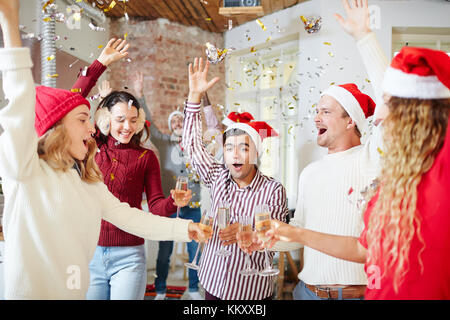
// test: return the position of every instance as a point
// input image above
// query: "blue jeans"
(118, 273)
(165, 251)
(301, 292)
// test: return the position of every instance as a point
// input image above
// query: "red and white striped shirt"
(220, 276)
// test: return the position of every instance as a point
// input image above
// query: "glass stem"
(194, 261)
(178, 211)
(268, 266)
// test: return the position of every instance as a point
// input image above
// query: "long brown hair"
(414, 133)
(53, 147)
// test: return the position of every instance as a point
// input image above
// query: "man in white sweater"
(330, 188)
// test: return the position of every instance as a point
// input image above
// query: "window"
(433, 38)
(262, 81)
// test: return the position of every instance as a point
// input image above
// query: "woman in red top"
(406, 241)
(118, 268)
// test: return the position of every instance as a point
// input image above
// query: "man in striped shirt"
(238, 182)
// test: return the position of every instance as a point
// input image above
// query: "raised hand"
(198, 84)
(114, 51)
(357, 22)
(104, 89)
(9, 21)
(138, 84)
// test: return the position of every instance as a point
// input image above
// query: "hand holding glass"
(245, 236)
(223, 221)
(262, 225)
(205, 224)
(181, 188)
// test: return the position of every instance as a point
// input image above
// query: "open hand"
(114, 51)
(104, 89)
(198, 84)
(357, 22)
(138, 84)
(280, 231)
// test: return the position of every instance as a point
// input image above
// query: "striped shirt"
(220, 276)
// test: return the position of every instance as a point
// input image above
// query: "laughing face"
(123, 122)
(240, 156)
(334, 128)
(80, 130)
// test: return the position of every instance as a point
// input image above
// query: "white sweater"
(52, 218)
(324, 203)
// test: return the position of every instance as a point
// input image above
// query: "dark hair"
(122, 96)
(231, 133)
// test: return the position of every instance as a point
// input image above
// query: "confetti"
(100, 46)
(252, 49)
(75, 90)
(50, 58)
(216, 55)
(143, 153)
(130, 104)
(331, 54)
(208, 19)
(230, 24)
(55, 75)
(112, 176)
(71, 65)
(261, 24)
(327, 43)
(125, 36)
(126, 16)
(350, 191)
(312, 24)
(111, 5)
(380, 152)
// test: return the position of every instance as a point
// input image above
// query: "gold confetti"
(332, 83)
(327, 43)
(112, 176)
(261, 24)
(111, 5)
(252, 49)
(143, 153)
(331, 54)
(268, 39)
(75, 90)
(368, 80)
(47, 19)
(100, 46)
(208, 19)
(51, 57)
(52, 75)
(125, 36)
(380, 152)
(46, 4)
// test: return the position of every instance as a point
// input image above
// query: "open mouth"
(322, 131)
(237, 166)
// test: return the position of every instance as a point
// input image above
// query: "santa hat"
(358, 105)
(418, 73)
(257, 130)
(173, 114)
(52, 105)
(234, 117)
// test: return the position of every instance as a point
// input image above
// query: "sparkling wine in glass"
(205, 224)
(245, 234)
(181, 188)
(223, 221)
(262, 225)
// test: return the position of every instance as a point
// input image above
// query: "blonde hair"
(53, 147)
(414, 133)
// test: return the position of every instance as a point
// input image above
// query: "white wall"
(346, 64)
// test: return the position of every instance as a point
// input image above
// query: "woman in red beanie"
(55, 197)
(406, 240)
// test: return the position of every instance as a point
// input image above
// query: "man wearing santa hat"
(237, 182)
(331, 190)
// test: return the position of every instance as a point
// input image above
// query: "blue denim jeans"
(165, 251)
(118, 273)
(301, 292)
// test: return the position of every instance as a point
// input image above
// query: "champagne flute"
(262, 225)
(245, 235)
(181, 188)
(223, 221)
(205, 224)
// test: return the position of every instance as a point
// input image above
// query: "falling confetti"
(50, 58)
(71, 65)
(130, 104)
(55, 75)
(380, 152)
(75, 90)
(216, 55)
(95, 28)
(111, 5)
(261, 24)
(327, 43)
(312, 24)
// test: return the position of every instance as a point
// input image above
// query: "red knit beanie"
(52, 105)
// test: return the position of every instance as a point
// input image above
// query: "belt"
(348, 292)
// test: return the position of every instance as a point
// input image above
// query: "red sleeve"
(370, 206)
(87, 82)
(157, 203)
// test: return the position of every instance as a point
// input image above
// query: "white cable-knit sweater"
(52, 218)
(329, 189)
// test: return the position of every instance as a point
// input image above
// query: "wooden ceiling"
(200, 13)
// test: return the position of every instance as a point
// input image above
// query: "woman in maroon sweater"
(118, 269)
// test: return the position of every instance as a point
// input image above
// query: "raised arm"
(115, 50)
(18, 141)
(203, 162)
(374, 59)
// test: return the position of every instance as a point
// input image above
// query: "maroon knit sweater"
(129, 172)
